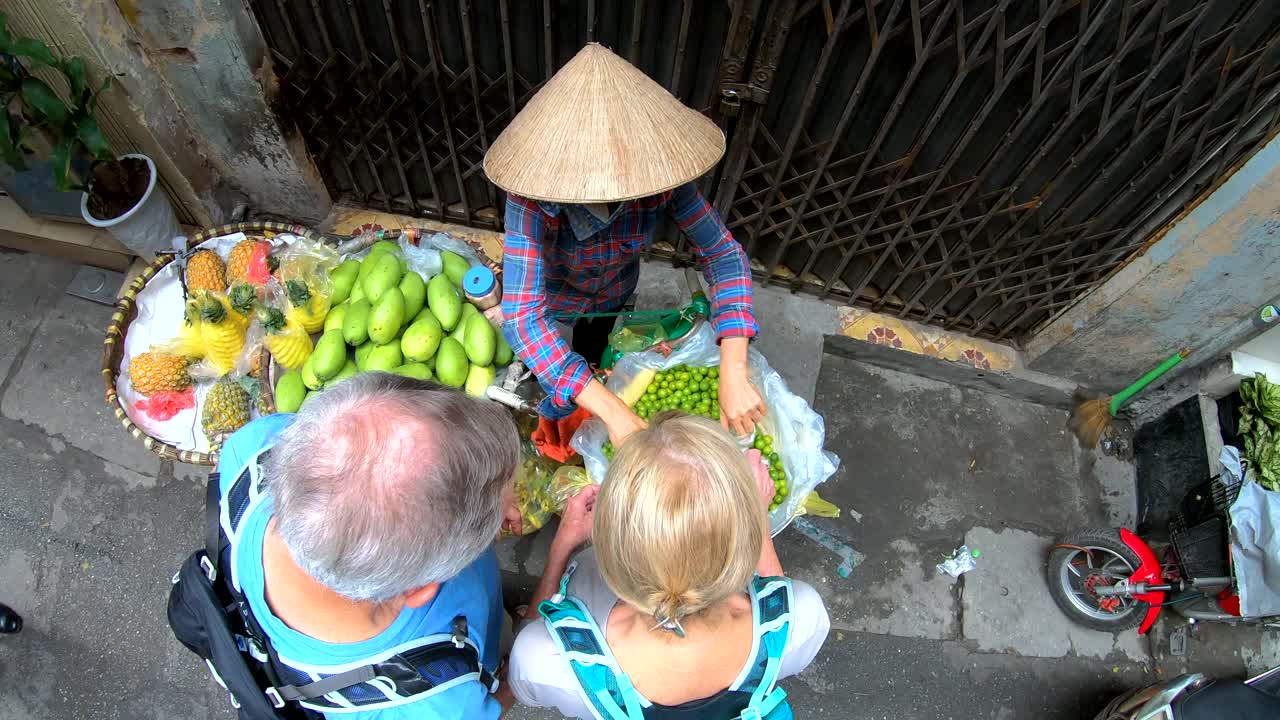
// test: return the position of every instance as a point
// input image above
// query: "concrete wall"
(192, 89)
(1196, 287)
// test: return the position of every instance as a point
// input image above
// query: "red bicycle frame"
(1148, 572)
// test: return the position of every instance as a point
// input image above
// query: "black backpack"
(213, 620)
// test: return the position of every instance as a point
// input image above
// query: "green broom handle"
(1123, 396)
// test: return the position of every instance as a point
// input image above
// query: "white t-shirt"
(540, 677)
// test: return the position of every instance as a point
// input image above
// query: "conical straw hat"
(601, 131)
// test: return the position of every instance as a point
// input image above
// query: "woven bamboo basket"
(126, 311)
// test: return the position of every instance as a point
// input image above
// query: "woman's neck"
(313, 609)
(670, 670)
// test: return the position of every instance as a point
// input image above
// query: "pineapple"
(222, 330)
(152, 372)
(226, 409)
(206, 271)
(305, 307)
(250, 261)
(190, 340)
(243, 297)
(287, 340)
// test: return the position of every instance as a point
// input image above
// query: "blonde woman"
(681, 609)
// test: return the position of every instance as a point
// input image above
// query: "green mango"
(290, 391)
(385, 246)
(344, 279)
(355, 323)
(415, 370)
(384, 357)
(444, 301)
(309, 374)
(481, 340)
(422, 339)
(333, 321)
(502, 355)
(357, 293)
(455, 266)
(349, 370)
(367, 265)
(460, 332)
(384, 276)
(329, 355)
(387, 317)
(362, 354)
(479, 378)
(451, 363)
(415, 294)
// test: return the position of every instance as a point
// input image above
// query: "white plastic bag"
(798, 432)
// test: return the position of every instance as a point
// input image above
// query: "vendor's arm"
(563, 373)
(729, 276)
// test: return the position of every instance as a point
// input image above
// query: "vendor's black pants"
(591, 337)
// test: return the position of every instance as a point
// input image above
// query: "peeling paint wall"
(1196, 287)
(189, 71)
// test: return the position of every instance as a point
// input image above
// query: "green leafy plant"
(1260, 428)
(69, 126)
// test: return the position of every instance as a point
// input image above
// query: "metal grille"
(975, 163)
(983, 164)
(398, 100)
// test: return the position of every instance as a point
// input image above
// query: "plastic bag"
(798, 432)
(543, 487)
(423, 260)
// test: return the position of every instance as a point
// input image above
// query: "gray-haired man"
(364, 524)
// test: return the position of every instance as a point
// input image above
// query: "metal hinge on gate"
(732, 95)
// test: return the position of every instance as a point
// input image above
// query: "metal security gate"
(398, 100)
(979, 164)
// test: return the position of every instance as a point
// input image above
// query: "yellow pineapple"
(250, 261)
(226, 409)
(222, 331)
(287, 340)
(152, 372)
(190, 341)
(308, 309)
(206, 271)
(241, 300)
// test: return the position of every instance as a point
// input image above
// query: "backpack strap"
(605, 689)
(772, 600)
(404, 674)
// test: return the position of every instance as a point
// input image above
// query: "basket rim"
(122, 317)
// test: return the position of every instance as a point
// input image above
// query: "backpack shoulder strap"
(212, 514)
(606, 690)
(407, 673)
(771, 604)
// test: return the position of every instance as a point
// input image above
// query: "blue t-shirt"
(476, 593)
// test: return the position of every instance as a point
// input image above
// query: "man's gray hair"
(384, 484)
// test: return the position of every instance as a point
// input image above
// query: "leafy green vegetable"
(1260, 428)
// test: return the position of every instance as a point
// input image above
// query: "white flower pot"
(149, 227)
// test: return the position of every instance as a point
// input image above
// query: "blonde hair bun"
(678, 524)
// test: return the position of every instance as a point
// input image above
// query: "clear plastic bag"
(543, 488)
(798, 432)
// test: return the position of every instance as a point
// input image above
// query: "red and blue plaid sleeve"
(725, 262)
(562, 372)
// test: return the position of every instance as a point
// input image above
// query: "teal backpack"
(608, 691)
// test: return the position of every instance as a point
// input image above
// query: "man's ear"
(419, 597)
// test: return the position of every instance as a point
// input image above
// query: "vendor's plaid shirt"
(562, 261)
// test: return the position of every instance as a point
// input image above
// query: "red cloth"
(552, 436)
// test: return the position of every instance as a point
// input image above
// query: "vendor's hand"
(620, 420)
(764, 483)
(575, 521)
(741, 406)
(623, 424)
